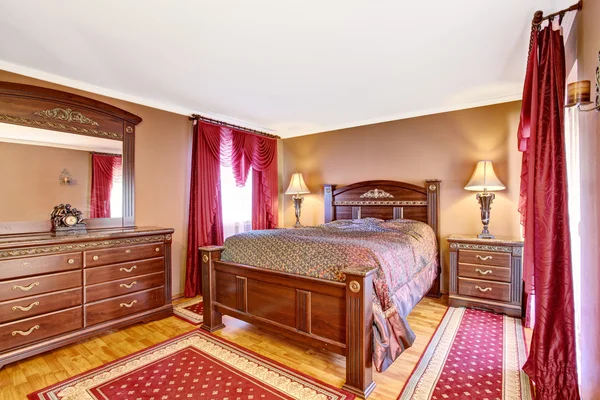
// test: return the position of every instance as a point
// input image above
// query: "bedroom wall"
(41, 170)
(443, 146)
(162, 159)
(588, 46)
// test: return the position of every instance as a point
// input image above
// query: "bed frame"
(337, 316)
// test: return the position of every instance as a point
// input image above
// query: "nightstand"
(486, 273)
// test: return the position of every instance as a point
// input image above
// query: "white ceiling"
(293, 67)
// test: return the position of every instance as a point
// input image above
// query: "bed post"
(213, 320)
(433, 219)
(359, 331)
(328, 201)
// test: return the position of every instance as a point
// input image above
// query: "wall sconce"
(65, 177)
(578, 94)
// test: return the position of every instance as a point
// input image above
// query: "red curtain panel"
(215, 145)
(103, 171)
(552, 359)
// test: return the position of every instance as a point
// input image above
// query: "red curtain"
(552, 359)
(103, 171)
(214, 145)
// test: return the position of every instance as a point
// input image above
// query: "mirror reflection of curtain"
(104, 167)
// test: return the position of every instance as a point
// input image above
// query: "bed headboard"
(387, 200)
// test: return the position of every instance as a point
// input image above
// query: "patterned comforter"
(403, 251)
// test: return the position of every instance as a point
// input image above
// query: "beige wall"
(27, 171)
(443, 146)
(162, 159)
(587, 59)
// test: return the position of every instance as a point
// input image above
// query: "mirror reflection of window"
(236, 203)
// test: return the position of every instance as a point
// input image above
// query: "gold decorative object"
(57, 126)
(168, 237)
(128, 251)
(29, 307)
(484, 258)
(129, 129)
(79, 246)
(27, 332)
(157, 249)
(95, 258)
(432, 187)
(128, 285)
(354, 286)
(26, 288)
(483, 289)
(25, 264)
(488, 271)
(468, 246)
(128, 305)
(127, 269)
(71, 261)
(376, 194)
(379, 203)
(67, 115)
(205, 258)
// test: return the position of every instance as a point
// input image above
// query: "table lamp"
(297, 188)
(484, 180)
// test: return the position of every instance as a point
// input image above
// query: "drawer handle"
(26, 288)
(483, 258)
(157, 249)
(25, 263)
(95, 258)
(128, 305)
(483, 289)
(128, 269)
(27, 332)
(127, 251)
(128, 285)
(29, 307)
(489, 271)
(71, 261)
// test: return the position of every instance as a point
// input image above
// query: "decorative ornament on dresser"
(67, 218)
(297, 188)
(484, 180)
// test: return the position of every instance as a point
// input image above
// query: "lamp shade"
(484, 178)
(297, 185)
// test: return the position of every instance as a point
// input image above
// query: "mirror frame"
(50, 109)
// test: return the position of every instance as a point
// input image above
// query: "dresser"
(57, 289)
(486, 274)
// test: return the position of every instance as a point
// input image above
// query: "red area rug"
(473, 355)
(195, 365)
(190, 311)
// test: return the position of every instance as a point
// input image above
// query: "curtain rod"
(197, 117)
(538, 16)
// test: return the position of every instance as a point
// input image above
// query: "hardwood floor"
(21, 378)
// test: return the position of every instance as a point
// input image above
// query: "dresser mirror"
(58, 148)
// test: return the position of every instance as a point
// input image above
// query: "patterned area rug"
(473, 355)
(195, 365)
(190, 311)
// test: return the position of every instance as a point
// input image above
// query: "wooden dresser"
(57, 289)
(486, 273)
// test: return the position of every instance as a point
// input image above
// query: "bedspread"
(404, 252)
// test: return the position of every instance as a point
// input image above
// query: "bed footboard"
(337, 316)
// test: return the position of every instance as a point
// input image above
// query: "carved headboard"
(387, 200)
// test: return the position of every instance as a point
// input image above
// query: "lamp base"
(485, 236)
(485, 200)
(297, 206)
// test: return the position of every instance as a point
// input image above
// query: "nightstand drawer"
(485, 289)
(484, 258)
(487, 272)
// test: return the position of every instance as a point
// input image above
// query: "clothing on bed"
(403, 251)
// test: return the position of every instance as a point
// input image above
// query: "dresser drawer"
(121, 306)
(123, 286)
(484, 289)
(10, 269)
(484, 272)
(124, 270)
(26, 287)
(42, 304)
(121, 254)
(18, 333)
(484, 258)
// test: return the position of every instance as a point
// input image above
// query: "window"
(236, 204)
(116, 192)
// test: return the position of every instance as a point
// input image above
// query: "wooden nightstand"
(486, 273)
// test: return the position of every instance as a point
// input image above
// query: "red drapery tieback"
(215, 145)
(103, 172)
(545, 217)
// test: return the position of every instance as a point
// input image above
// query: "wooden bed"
(326, 314)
